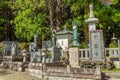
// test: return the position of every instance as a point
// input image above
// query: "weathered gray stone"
(97, 45)
(117, 64)
(35, 56)
(74, 57)
(9, 47)
(55, 54)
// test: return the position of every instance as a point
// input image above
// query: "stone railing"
(84, 54)
(109, 52)
(112, 52)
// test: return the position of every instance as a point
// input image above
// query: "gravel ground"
(7, 74)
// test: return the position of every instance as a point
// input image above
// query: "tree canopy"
(20, 19)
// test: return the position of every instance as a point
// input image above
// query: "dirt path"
(15, 75)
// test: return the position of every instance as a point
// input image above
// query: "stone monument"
(74, 57)
(64, 39)
(55, 51)
(9, 47)
(92, 20)
(97, 45)
(35, 56)
(95, 38)
(46, 44)
(35, 53)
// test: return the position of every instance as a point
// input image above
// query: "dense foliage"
(20, 19)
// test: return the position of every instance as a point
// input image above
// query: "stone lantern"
(24, 55)
(43, 55)
(91, 20)
(114, 39)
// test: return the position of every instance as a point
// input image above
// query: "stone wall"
(62, 72)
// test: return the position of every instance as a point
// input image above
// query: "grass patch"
(112, 70)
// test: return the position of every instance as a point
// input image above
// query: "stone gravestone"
(97, 45)
(35, 56)
(95, 38)
(55, 54)
(9, 47)
(74, 57)
(46, 44)
(31, 47)
(53, 38)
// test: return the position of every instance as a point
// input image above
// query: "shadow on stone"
(104, 76)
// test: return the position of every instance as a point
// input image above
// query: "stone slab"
(117, 64)
(55, 54)
(35, 56)
(96, 45)
(74, 56)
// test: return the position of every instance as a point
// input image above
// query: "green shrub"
(48, 54)
(113, 45)
(23, 45)
(63, 58)
(71, 45)
(83, 45)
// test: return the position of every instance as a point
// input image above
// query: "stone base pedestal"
(117, 64)
(20, 69)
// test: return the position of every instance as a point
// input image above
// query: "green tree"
(6, 28)
(79, 10)
(30, 18)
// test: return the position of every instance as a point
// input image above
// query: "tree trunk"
(59, 15)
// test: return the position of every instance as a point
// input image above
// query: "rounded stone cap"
(92, 20)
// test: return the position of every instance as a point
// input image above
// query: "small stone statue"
(54, 38)
(24, 55)
(75, 34)
(13, 49)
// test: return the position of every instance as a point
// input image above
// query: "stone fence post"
(68, 68)
(97, 71)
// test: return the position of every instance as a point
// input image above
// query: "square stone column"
(74, 57)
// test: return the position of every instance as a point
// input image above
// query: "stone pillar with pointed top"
(114, 39)
(91, 23)
(35, 40)
(91, 20)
